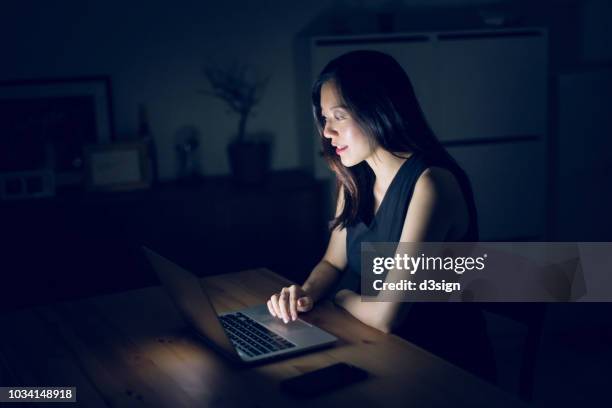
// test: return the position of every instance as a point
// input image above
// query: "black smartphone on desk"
(323, 380)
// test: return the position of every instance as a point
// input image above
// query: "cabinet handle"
(488, 34)
(372, 40)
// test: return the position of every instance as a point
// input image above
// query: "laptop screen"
(192, 301)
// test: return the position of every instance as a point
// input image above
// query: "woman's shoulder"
(437, 181)
(439, 188)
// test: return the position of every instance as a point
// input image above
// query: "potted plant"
(241, 90)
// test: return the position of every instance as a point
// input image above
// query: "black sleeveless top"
(387, 224)
(454, 331)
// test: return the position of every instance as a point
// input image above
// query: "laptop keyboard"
(250, 337)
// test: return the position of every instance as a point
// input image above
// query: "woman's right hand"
(288, 302)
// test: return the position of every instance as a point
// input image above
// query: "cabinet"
(80, 244)
(485, 96)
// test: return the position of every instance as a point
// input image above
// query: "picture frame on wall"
(45, 123)
(117, 166)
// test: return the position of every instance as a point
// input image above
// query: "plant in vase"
(241, 90)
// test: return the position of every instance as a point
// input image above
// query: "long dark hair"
(379, 95)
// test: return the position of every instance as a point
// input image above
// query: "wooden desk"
(133, 349)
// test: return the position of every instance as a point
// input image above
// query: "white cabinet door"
(491, 86)
(508, 180)
(583, 189)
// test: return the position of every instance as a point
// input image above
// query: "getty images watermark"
(487, 271)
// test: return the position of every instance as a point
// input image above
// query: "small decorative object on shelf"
(145, 135)
(241, 89)
(187, 143)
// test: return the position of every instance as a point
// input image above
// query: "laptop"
(249, 335)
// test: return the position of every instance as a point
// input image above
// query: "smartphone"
(323, 380)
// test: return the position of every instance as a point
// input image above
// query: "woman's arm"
(379, 315)
(320, 280)
(429, 218)
(286, 304)
(333, 262)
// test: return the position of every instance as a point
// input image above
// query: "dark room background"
(150, 57)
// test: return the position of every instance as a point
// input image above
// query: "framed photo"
(45, 123)
(117, 166)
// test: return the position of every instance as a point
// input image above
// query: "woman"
(395, 183)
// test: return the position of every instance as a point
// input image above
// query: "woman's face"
(351, 143)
